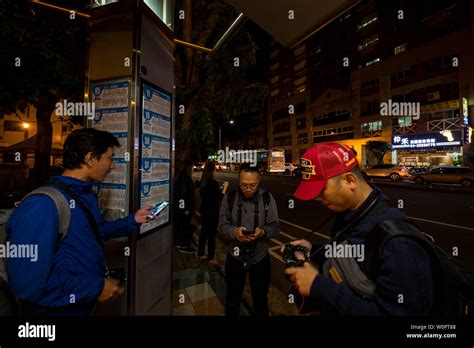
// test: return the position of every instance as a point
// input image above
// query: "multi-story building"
(380, 54)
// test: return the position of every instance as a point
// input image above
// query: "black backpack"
(453, 285)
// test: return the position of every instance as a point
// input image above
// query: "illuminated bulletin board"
(155, 152)
(111, 115)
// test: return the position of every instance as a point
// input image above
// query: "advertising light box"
(432, 140)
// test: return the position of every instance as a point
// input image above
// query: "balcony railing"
(444, 124)
(371, 133)
(405, 130)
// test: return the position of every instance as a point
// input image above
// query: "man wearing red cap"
(403, 283)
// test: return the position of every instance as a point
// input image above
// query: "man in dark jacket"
(403, 284)
(184, 208)
(248, 226)
(71, 280)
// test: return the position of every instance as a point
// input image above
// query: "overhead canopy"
(309, 16)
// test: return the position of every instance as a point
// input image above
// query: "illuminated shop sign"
(467, 132)
(467, 136)
(465, 112)
(427, 140)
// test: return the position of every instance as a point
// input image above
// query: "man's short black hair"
(246, 167)
(82, 141)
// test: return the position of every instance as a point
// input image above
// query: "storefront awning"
(275, 17)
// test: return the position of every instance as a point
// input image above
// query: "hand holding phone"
(157, 209)
(248, 232)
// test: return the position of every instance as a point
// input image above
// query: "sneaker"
(203, 258)
(187, 249)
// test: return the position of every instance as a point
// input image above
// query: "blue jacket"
(405, 270)
(75, 273)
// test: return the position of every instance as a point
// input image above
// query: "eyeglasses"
(245, 186)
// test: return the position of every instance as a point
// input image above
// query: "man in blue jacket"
(403, 284)
(69, 280)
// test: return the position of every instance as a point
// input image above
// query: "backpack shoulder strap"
(231, 199)
(62, 205)
(382, 233)
(266, 204)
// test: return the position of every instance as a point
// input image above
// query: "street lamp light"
(220, 134)
(26, 125)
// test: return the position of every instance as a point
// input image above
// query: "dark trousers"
(184, 228)
(208, 234)
(236, 275)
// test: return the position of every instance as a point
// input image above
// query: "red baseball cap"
(320, 163)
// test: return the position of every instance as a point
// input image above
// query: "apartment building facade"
(347, 80)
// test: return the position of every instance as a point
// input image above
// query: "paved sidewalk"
(200, 290)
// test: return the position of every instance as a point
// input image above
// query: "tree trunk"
(43, 144)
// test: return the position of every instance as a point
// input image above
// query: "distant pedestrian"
(211, 195)
(184, 208)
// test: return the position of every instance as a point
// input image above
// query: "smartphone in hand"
(158, 208)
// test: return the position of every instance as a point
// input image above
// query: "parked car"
(392, 171)
(290, 168)
(198, 166)
(222, 166)
(447, 175)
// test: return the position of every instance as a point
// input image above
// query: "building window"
(371, 129)
(274, 66)
(447, 61)
(372, 61)
(302, 138)
(439, 115)
(370, 83)
(403, 74)
(400, 49)
(333, 131)
(282, 141)
(301, 123)
(300, 108)
(316, 51)
(281, 127)
(367, 21)
(403, 121)
(300, 66)
(401, 98)
(369, 42)
(274, 53)
(275, 79)
(371, 105)
(299, 50)
(299, 74)
(13, 126)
